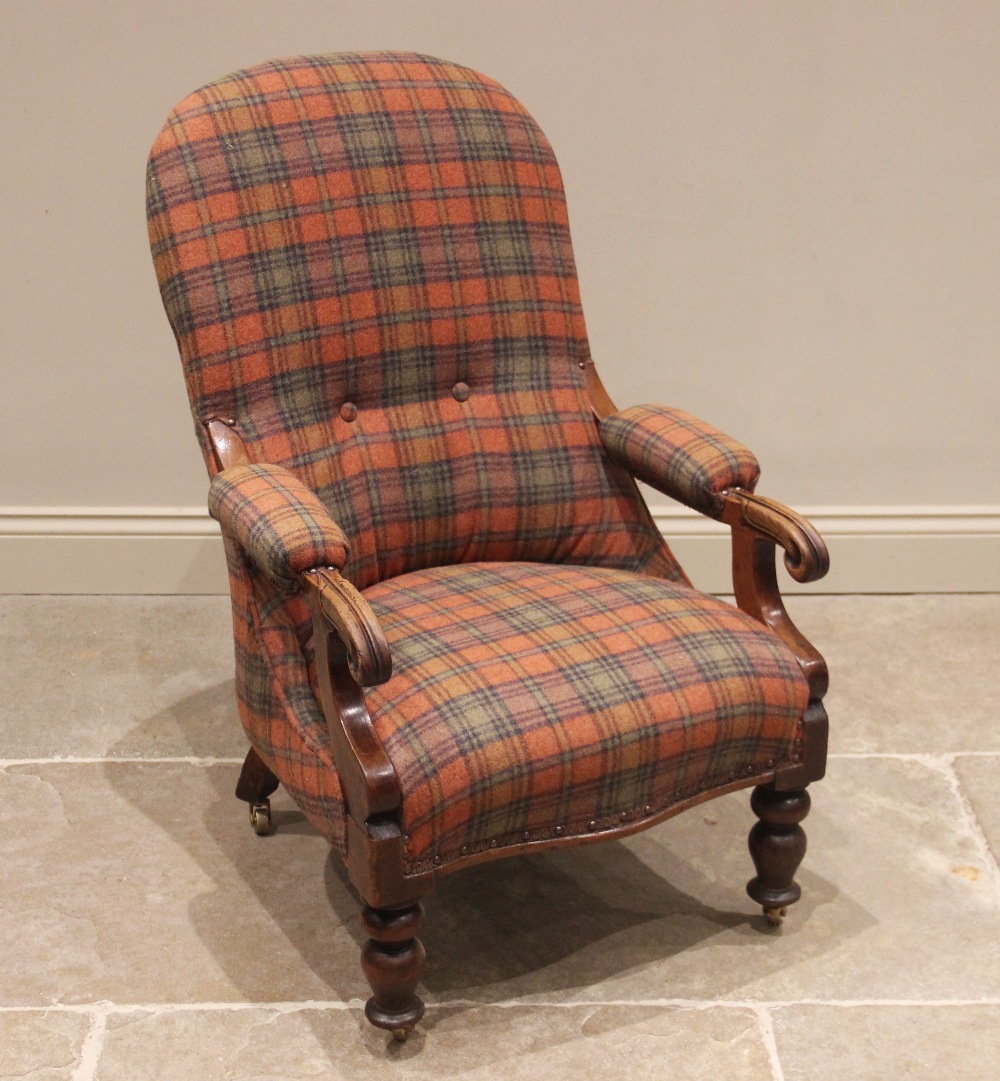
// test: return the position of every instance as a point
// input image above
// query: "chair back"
(366, 262)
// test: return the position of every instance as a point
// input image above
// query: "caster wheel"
(260, 818)
(400, 1035)
(776, 916)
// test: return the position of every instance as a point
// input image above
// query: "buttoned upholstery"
(344, 243)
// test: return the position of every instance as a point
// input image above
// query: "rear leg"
(255, 785)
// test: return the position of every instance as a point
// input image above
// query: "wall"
(785, 219)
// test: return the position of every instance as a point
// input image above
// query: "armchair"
(459, 635)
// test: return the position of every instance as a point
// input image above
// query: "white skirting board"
(890, 549)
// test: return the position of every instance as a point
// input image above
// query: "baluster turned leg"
(393, 962)
(777, 845)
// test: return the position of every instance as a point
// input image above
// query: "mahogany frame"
(352, 653)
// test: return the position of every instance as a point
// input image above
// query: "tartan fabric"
(366, 262)
(276, 697)
(278, 522)
(530, 701)
(679, 455)
(365, 259)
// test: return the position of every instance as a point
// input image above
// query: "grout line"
(105, 1009)
(93, 1044)
(944, 765)
(765, 1026)
(972, 821)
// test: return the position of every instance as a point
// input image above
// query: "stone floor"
(148, 934)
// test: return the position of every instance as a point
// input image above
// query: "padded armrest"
(279, 522)
(678, 454)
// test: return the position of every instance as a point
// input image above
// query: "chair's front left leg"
(777, 845)
(393, 962)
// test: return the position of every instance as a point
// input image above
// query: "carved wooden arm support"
(351, 616)
(351, 651)
(758, 524)
(806, 557)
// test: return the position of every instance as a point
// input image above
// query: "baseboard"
(892, 549)
(110, 550)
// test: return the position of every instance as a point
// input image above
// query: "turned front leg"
(393, 962)
(777, 845)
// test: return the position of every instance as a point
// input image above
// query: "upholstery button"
(460, 392)
(348, 412)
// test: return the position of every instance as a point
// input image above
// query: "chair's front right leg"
(777, 845)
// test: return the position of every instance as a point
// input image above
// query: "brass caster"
(400, 1034)
(260, 818)
(776, 916)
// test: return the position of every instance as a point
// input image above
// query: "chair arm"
(308, 549)
(351, 653)
(758, 525)
(281, 525)
(351, 617)
(679, 455)
(806, 556)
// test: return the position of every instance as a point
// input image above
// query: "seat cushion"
(535, 700)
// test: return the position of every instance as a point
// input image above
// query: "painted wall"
(785, 218)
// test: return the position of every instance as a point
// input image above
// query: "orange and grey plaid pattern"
(277, 521)
(679, 454)
(529, 701)
(366, 262)
(275, 692)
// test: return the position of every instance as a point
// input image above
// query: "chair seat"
(531, 700)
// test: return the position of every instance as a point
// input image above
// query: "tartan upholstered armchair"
(459, 635)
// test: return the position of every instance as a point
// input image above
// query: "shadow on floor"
(554, 926)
